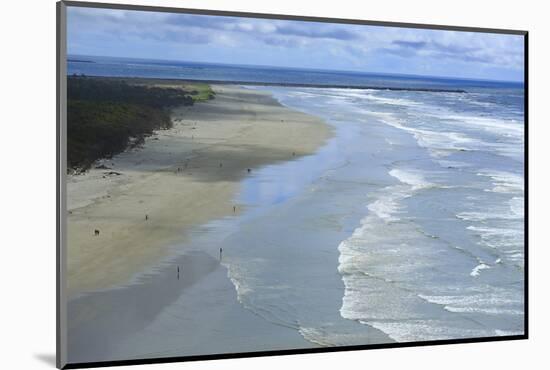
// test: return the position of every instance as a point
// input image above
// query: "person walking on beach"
(221, 250)
(178, 272)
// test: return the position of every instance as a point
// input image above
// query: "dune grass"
(106, 116)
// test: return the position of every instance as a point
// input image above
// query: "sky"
(284, 43)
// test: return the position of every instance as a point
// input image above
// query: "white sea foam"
(439, 143)
(483, 216)
(495, 302)
(414, 179)
(501, 127)
(449, 136)
(376, 241)
(515, 211)
(315, 336)
(502, 333)
(415, 329)
(492, 231)
(239, 281)
(500, 228)
(507, 241)
(504, 182)
(490, 311)
(385, 207)
(474, 216)
(504, 240)
(443, 143)
(480, 297)
(390, 101)
(517, 207)
(476, 270)
(377, 251)
(356, 252)
(453, 164)
(330, 335)
(387, 204)
(472, 98)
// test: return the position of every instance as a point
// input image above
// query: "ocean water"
(407, 225)
(423, 193)
(151, 68)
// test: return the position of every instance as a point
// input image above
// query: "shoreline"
(280, 84)
(135, 202)
(164, 309)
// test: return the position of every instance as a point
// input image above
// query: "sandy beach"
(142, 201)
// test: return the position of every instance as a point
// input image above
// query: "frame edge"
(61, 337)
(61, 128)
(227, 13)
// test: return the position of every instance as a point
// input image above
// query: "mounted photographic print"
(235, 184)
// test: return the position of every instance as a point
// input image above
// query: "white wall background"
(27, 185)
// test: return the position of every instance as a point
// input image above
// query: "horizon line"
(522, 82)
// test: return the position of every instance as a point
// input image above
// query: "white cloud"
(360, 46)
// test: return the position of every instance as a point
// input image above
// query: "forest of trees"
(105, 115)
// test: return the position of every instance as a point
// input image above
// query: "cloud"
(480, 50)
(266, 30)
(409, 44)
(317, 31)
(287, 42)
(242, 40)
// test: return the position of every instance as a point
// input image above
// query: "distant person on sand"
(96, 232)
(146, 217)
(221, 250)
(178, 272)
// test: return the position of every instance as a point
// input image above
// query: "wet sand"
(163, 316)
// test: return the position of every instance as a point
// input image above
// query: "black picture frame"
(61, 101)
